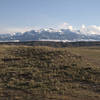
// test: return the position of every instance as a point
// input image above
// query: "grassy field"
(47, 73)
(91, 54)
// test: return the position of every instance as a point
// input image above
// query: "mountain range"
(50, 35)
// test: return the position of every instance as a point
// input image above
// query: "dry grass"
(46, 73)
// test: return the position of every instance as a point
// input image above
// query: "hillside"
(48, 73)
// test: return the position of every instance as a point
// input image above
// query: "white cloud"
(92, 29)
(87, 30)
(83, 26)
(65, 26)
(16, 29)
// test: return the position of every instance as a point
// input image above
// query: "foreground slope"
(46, 73)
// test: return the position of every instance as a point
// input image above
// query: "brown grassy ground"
(46, 73)
(91, 54)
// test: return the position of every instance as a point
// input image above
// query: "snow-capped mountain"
(84, 34)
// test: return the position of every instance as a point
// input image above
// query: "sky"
(23, 15)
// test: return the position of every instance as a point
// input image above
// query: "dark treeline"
(54, 44)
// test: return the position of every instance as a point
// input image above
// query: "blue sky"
(16, 15)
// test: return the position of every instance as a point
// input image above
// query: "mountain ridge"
(49, 34)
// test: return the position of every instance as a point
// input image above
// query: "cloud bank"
(87, 30)
(93, 29)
